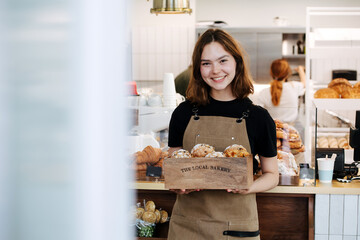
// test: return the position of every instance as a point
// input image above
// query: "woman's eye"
(223, 60)
(205, 64)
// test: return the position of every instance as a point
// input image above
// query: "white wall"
(160, 43)
(260, 13)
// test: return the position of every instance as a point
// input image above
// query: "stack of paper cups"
(169, 93)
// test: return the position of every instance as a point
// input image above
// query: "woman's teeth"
(218, 78)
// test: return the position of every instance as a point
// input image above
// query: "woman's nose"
(216, 68)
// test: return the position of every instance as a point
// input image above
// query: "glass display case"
(333, 46)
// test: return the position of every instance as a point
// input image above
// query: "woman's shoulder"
(184, 108)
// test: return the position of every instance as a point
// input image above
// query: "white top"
(287, 110)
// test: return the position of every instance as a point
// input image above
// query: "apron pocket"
(182, 228)
(196, 229)
(243, 225)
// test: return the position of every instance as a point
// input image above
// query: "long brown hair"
(242, 86)
(279, 71)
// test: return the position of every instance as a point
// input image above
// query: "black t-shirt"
(259, 124)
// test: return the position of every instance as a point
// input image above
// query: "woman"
(218, 112)
(282, 98)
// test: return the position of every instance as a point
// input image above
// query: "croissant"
(148, 155)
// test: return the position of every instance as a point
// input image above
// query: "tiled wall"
(160, 49)
(337, 217)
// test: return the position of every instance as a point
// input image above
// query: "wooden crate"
(208, 173)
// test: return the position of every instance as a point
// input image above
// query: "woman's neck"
(222, 95)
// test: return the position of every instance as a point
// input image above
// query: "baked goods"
(158, 216)
(148, 155)
(326, 93)
(288, 138)
(215, 154)
(150, 206)
(164, 216)
(286, 163)
(281, 133)
(352, 93)
(280, 124)
(323, 142)
(201, 150)
(340, 85)
(333, 142)
(236, 150)
(181, 153)
(149, 217)
(356, 85)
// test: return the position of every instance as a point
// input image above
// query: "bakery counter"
(335, 187)
(285, 212)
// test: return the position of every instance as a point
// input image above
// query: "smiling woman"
(219, 113)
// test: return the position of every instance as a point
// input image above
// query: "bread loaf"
(333, 142)
(323, 142)
(326, 93)
(341, 85)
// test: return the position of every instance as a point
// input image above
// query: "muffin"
(236, 150)
(201, 150)
(181, 153)
(215, 154)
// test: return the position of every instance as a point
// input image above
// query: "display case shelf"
(337, 104)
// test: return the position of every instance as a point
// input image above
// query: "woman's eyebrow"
(207, 60)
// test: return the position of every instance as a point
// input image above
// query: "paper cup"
(169, 84)
(325, 169)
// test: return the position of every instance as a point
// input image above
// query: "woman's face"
(217, 68)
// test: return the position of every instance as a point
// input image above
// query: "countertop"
(335, 187)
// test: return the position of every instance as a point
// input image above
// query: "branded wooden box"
(208, 173)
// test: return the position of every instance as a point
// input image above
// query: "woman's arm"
(173, 149)
(301, 71)
(268, 180)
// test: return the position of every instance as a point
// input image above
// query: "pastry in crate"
(215, 154)
(181, 153)
(201, 150)
(236, 150)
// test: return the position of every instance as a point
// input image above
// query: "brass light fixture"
(170, 7)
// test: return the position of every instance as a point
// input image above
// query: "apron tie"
(242, 233)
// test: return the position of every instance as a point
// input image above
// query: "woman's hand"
(241, 191)
(184, 191)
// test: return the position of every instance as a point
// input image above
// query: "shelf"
(290, 56)
(336, 53)
(337, 104)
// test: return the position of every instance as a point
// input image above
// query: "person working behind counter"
(182, 81)
(218, 112)
(281, 99)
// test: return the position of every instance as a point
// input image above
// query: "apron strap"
(242, 233)
(245, 114)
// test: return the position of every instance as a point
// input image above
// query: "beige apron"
(206, 214)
